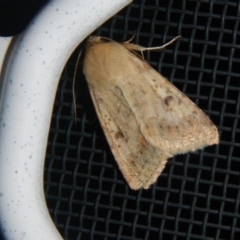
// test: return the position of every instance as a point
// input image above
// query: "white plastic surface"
(31, 78)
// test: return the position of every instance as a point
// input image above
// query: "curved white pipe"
(4, 45)
(27, 100)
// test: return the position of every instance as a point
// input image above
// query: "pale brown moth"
(145, 118)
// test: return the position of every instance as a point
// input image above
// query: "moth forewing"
(145, 118)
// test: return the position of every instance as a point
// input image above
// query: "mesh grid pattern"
(197, 195)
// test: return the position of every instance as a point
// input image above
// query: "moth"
(145, 118)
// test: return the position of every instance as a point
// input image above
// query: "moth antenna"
(160, 47)
(133, 36)
(134, 47)
(73, 88)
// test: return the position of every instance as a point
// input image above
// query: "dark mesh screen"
(197, 195)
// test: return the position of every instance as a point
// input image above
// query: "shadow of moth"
(145, 118)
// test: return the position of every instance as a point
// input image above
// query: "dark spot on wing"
(168, 100)
(119, 135)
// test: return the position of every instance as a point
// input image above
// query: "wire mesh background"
(197, 195)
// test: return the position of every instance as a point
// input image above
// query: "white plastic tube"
(31, 79)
